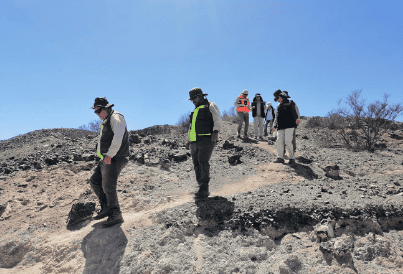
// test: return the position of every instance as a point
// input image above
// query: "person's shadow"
(103, 250)
(216, 209)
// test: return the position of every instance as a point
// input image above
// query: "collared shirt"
(118, 125)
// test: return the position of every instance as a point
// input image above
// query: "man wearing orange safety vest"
(242, 108)
(205, 124)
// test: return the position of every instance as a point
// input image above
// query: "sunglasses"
(98, 111)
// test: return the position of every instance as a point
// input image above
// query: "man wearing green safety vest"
(205, 124)
(113, 150)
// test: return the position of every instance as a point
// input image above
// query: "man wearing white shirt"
(113, 150)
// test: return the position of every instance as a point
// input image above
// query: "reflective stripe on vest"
(192, 133)
(243, 108)
(99, 147)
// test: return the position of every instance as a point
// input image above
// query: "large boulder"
(134, 139)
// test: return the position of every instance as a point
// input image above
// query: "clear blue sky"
(145, 56)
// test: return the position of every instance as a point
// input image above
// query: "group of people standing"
(204, 126)
(263, 115)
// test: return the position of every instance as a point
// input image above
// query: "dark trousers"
(243, 117)
(201, 153)
(104, 182)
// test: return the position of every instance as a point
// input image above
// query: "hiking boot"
(203, 192)
(279, 160)
(113, 219)
(291, 162)
(102, 213)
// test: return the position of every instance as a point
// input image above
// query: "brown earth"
(165, 231)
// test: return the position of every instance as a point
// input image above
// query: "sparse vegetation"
(360, 126)
(92, 126)
(230, 115)
(183, 123)
(314, 122)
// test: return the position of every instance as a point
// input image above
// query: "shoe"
(102, 213)
(113, 219)
(279, 160)
(291, 162)
(261, 138)
(202, 193)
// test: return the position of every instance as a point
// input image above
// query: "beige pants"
(258, 123)
(285, 138)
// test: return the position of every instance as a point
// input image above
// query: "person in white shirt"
(113, 149)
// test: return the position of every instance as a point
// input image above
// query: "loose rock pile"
(335, 211)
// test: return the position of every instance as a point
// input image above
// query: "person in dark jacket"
(258, 114)
(205, 124)
(286, 120)
(113, 151)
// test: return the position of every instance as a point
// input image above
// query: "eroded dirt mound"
(261, 217)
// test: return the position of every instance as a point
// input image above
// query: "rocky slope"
(260, 218)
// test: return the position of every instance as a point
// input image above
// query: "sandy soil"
(166, 231)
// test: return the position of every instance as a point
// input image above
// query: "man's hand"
(107, 160)
(298, 121)
(214, 137)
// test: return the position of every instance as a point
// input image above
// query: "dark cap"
(101, 102)
(279, 93)
(194, 92)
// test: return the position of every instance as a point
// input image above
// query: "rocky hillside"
(335, 211)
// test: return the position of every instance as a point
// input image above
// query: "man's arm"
(216, 116)
(238, 102)
(118, 125)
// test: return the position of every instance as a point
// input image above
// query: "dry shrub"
(360, 126)
(182, 126)
(92, 126)
(230, 115)
(314, 122)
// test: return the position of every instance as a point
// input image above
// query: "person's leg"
(294, 140)
(110, 174)
(261, 121)
(246, 117)
(206, 148)
(289, 133)
(280, 143)
(96, 185)
(240, 121)
(194, 151)
(265, 127)
(256, 126)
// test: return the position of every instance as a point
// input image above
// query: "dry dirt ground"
(261, 217)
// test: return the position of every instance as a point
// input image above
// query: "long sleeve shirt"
(216, 116)
(118, 125)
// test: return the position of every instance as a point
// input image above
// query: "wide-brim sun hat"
(101, 102)
(196, 91)
(245, 92)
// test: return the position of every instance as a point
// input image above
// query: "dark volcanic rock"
(80, 212)
(135, 139)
